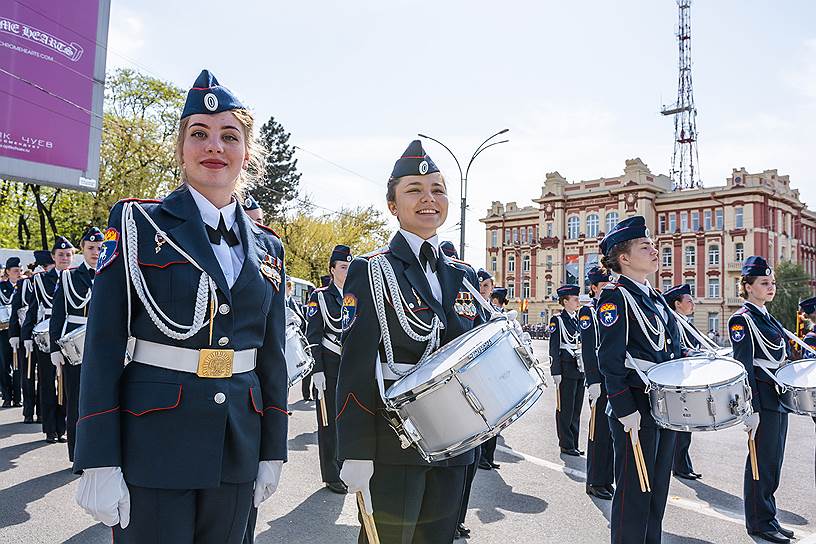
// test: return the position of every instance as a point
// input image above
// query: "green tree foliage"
(279, 183)
(792, 285)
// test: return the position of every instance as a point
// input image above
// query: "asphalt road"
(536, 497)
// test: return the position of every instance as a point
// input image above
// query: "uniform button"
(223, 341)
(224, 309)
(410, 304)
(668, 340)
(671, 355)
(219, 398)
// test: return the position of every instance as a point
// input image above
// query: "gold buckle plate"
(215, 363)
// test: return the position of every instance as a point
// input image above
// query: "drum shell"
(798, 400)
(72, 345)
(41, 336)
(299, 359)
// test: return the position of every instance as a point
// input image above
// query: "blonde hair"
(255, 150)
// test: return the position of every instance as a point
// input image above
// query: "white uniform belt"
(47, 311)
(766, 364)
(569, 347)
(642, 364)
(184, 359)
(329, 345)
(77, 319)
(389, 374)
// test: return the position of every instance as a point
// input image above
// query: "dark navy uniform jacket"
(588, 325)
(165, 428)
(81, 279)
(39, 299)
(21, 299)
(564, 363)
(746, 349)
(362, 429)
(7, 291)
(625, 388)
(326, 360)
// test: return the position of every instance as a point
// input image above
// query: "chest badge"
(270, 269)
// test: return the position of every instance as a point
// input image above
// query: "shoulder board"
(141, 200)
(269, 229)
(611, 285)
(742, 311)
(379, 251)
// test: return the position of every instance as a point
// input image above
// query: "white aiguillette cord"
(694, 332)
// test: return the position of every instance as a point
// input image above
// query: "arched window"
(592, 225)
(511, 263)
(573, 226)
(612, 219)
(713, 255)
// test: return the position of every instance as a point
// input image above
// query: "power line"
(340, 166)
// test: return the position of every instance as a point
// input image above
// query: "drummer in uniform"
(808, 307)
(70, 312)
(600, 458)
(177, 445)
(9, 368)
(567, 369)
(486, 284)
(636, 331)
(760, 345)
(52, 411)
(413, 501)
(323, 333)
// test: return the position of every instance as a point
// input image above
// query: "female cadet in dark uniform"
(172, 444)
(637, 331)
(567, 370)
(8, 366)
(759, 344)
(600, 460)
(413, 501)
(808, 307)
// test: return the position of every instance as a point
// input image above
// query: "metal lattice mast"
(685, 159)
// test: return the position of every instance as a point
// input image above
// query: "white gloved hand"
(752, 424)
(29, 347)
(14, 342)
(356, 475)
(527, 339)
(266, 483)
(594, 392)
(57, 359)
(103, 494)
(319, 382)
(631, 424)
(557, 380)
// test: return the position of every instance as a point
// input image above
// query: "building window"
(693, 286)
(684, 222)
(515, 236)
(511, 263)
(739, 252)
(494, 242)
(525, 263)
(571, 269)
(661, 224)
(736, 287)
(667, 256)
(530, 235)
(506, 236)
(738, 217)
(549, 230)
(719, 219)
(707, 220)
(511, 290)
(549, 289)
(523, 235)
(690, 256)
(695, 220)
(593, 223)
(713, 321)
(672, 222)
(525, 289)
(549, 262)
(573, 226)
(713, 255)
(713, 287)
(667, 283)
(612, 219)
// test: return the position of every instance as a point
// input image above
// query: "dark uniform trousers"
(470, 474)
(568, 419)
(9, 377)
(51, 412)
(488, 449)
(682, 459)
(28, 383)
(70, 378)
(327, 435)
(600, 461)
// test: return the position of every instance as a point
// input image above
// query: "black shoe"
(462, 531)
(610, 488)
(62, 440)
(51, 439)
(598, 491)
(484, 465)
(573, 452)
(337, 487)
(29, 420)
(689, 476)
(787, 532)
(17, 404)
(6, 404)
(495, 465)
(307, 399)
(771, 536)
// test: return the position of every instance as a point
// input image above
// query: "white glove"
(29, 347)
(319, 382)
(631, 423)
(527, 339)
(594, 392)
(14, 342)
(103, 493)
(57, 359)
(557, 380)
(356, 475)
(267, 481)
(752, 424)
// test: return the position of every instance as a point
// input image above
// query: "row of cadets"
(413, 501)
(323, 333)
(567, 369)
(486, 458)
(681, 301)
(600, 459)
(760, 345)
(52, 412)
(177, 445)
(637, 331)
(9, 368)
(69, 312)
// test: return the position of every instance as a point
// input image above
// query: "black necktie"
(427, 256)
(222, 232)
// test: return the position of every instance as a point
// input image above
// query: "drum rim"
(742, 376)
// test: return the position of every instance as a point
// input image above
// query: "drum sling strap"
(705, 342)
(771, 363)
(573, 346)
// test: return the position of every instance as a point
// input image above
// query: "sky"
(579, 84)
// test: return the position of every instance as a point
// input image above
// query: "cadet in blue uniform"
(567, 369)
(486, 285)
(45, 283)
(323, 333)
(498, 299)
(9, 368)
(172, 444)
(70, 311)
(413, 501)
(636, 331)
(600, 457)
(759, 344)
(808, 307)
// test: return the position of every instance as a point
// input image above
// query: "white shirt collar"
(416, 242)
(210, 214)
(763, 309)
(645, 287)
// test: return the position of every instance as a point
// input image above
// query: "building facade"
(703, 235)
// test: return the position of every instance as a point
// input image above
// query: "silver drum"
(299, 359)
(700, 393)
(466, 392)
(41, 337)
(72, 345)
(5, 317)
(799, 379)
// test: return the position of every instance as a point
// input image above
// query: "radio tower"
(685, 160)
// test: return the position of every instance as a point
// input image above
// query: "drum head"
(42, 326)
(695, 372)
(798, 373)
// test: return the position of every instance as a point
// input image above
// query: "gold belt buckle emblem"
(215, 363)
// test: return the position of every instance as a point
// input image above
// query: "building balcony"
(733, 301)
(734, 266)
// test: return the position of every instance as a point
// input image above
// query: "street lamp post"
(463, 180)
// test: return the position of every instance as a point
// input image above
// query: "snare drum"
(700, 393)
(5, 317)
(466, 392)
(799, 379)
(72, 345)
(41, 337)
(299, 359)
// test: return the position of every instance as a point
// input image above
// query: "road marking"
(700, 507)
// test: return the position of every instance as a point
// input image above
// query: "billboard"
(52, 73)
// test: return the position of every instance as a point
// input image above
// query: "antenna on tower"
(685, 159)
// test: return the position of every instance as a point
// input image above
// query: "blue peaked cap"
(630, 228)
(676, 292)
(208, 96)
(413, 162)
(93, 234)
(596, 275)
(756, 266)
(568, 289)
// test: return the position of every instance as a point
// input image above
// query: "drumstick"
(30, 367)
(643, 466)
(557, 398)
(59, 387)
(368, 521)
(592, 424)
(324, 414)
(14, 363)
(753, 455)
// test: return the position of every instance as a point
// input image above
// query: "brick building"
(703, 235)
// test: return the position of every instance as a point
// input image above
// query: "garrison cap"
(676, 292)
(449, 249)
(340, 253)
(61, 242)
(251, 204)
(414, 162)
(808, 305)
(208, 96)
(597, 274)
(93, 234)
(756, 266)
(630, 228)
(568, 289)
(483, 275)
(12, 262)
(43, 257)
(499, 293)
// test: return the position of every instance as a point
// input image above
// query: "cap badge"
(423, 167)
(211, 101)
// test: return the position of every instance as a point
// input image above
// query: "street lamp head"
(422, 136)
(503, 131)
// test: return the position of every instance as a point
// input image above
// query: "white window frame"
(689, 257)
(573, 227)
(714, 287)
(713, 255)
(666, 256)
(593, 225)
(612, 219)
